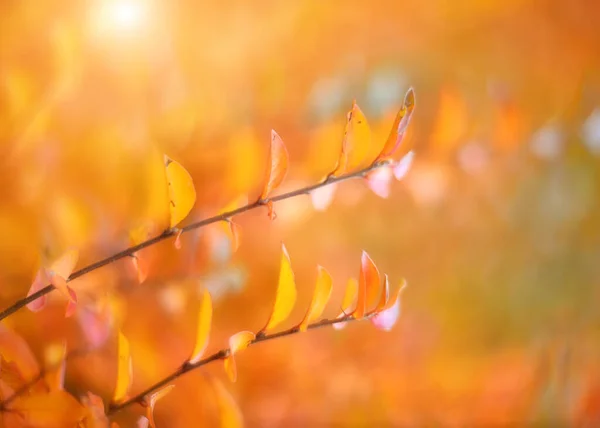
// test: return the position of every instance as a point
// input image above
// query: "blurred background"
(496, 227)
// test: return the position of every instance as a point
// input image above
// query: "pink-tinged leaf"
(142, 422)
(64, 265)
(94, 407)
(347, 302)
(320, 298)
(379, 181)
(403, 166)
(14, 348)
(277, 165)
(177, 242)
(387, 318)
(151, 402)
(203, 328)
(322, 197)
(237, 342)
(399, 128)
(96, 326)
(71, 303)
(39, 282)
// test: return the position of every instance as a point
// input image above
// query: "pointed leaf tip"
(349, 298)
(182, 194)
(203, 329)
(321, 296)
(368, 286)
(237, 342)
(356, 142)
(399, 127)
(285, 297)
(277, 165)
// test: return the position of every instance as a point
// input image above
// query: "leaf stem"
(193, 226)
(219, 355)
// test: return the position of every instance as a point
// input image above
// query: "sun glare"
(120, 19)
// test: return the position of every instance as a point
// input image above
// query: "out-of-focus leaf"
(40, 281)
(140, 267)
(13, 348)
(182, 194)
(237, 342)
(229, 412)
(232, 229)
(124, 370)
(355, 146)
(368, 286)
(395, 295)
(94, 411)
(286, 292)
(403, 165)
(177, 242)
(55, 363)
(203, 328)
(58, 273)
(379, 181)
(139, 263)
(277, 165)
(321, 296)
(347, 302)
(322, 197)
(151, 402)
(48, 410)
(386, 315)
(399, 127)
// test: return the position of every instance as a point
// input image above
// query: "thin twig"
(142, 397)
(193, 226)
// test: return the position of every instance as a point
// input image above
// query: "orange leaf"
(140, 267)
(286, 292)
(95, 416)
(394, 296)
(368, 286)
(385, 295)
(153, 398)
(271, 211)
(182, 194)
(64, 265)
(123, 370)
(320, 298)
(55, 409)
(357, 139)
(203, 329)
(177, 242)
(236, 232)
(55, 361)
(347, 302)
(237, 342)
(229, 412)
(277, 165)
(14, 348)
(399, 128)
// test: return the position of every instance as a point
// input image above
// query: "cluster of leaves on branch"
(36, 397)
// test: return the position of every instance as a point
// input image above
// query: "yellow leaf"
(355, 146)
(55, 361)
(154, 397)
(15, 349)
(368, 286)
(320, 298)
(48, 410)
(182, 194)
(237, 342)
(277, 165)
(123, 370)
(229, 412)
(286, 292)
(203, 329)
(399, 127)
(347, 302)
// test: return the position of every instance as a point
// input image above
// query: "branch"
(193, 226)
(141, 398)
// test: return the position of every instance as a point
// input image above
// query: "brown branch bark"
(193, 226)
(186, 367)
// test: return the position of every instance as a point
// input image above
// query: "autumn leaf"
(57, 274)
(399, 127)
(40, 281)
(139, 263)
(56, 409)
(322, 197)
(349, 298)
(385, 295)
(124, 369)
(94, 411)
(182, 194)
(286, 292)
(379, 181)
(403, 165)
(237, 342)
(368, 286)
(232, 229)
(356, 142)
(55, 361)
(386, 315)
(15, 349)
(151, 402)
(277, 165)
(320, 298)
(203, 328)
(229, 412)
